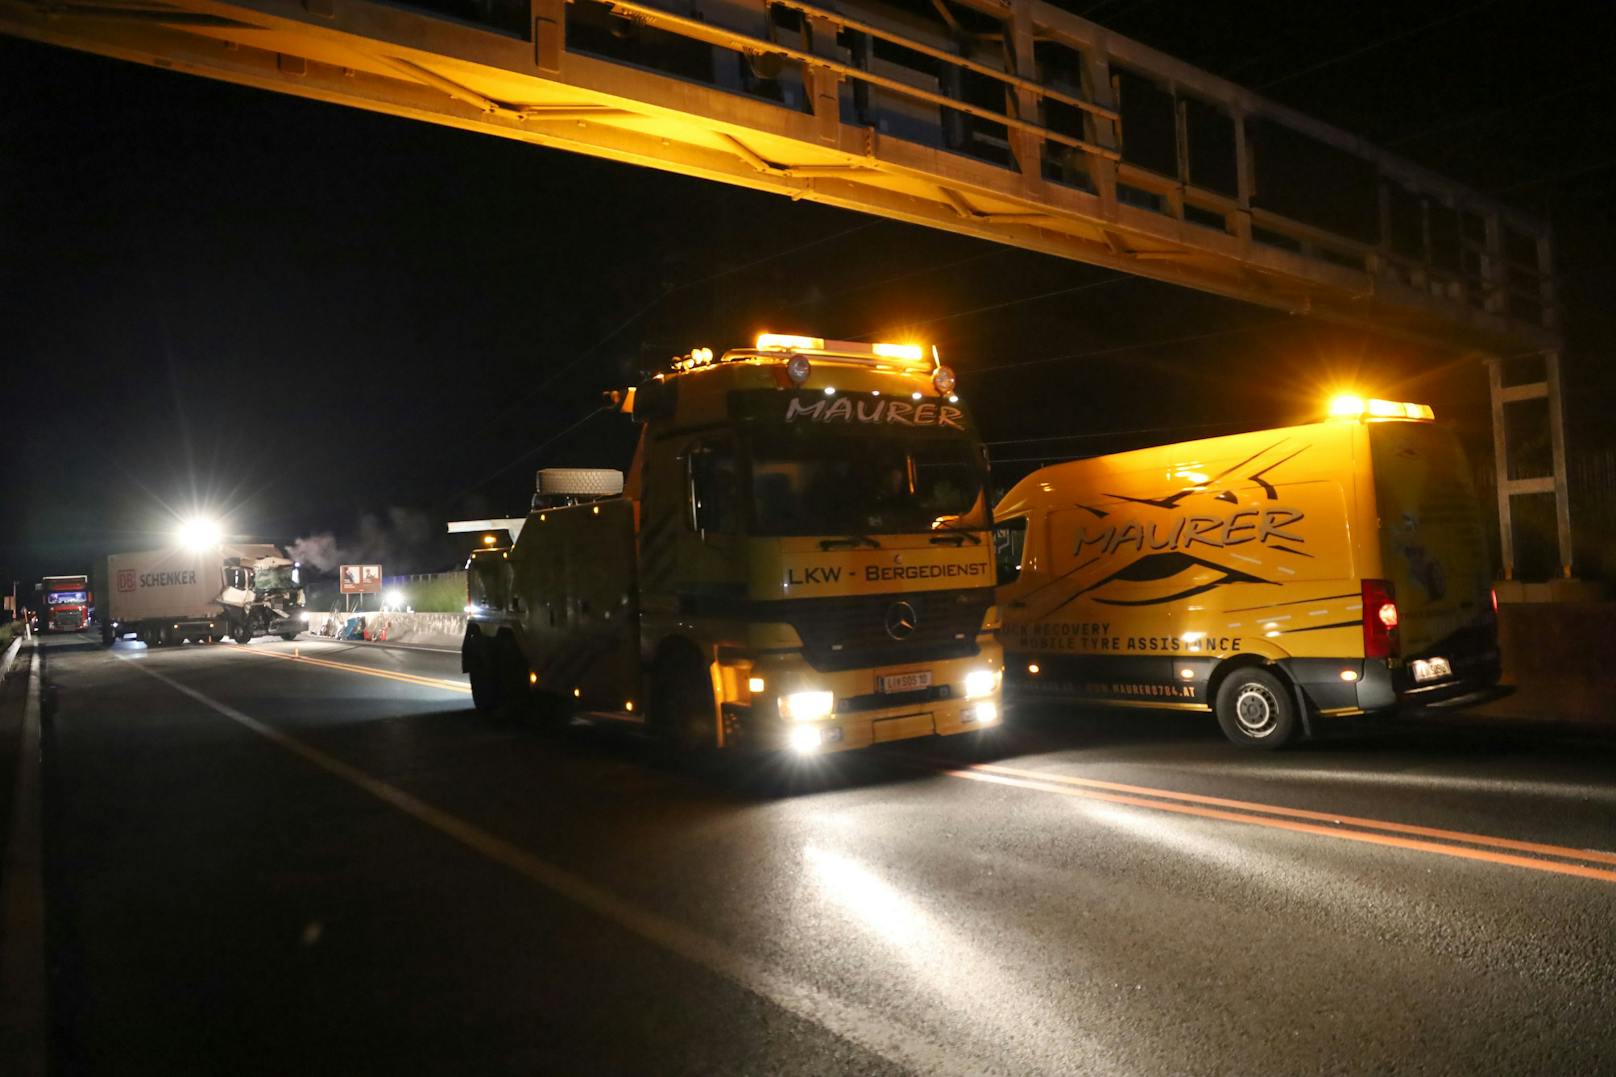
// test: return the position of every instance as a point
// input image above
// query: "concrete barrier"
(421, 629)
(1560, 658)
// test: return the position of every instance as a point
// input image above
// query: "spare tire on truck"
(579, 482)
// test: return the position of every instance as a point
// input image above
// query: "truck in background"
(1330, 569)
(67, 603)
(798, 559)
(202, 595)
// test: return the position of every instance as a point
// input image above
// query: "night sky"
(324, 320)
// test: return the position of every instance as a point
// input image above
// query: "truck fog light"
(805, 740)
(304, 615)
(986, 713)
(754, 684)
(980, 682)
(807, 707)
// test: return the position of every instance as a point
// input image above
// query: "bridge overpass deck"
(1015, 122)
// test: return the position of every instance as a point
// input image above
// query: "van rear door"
(1434, 551)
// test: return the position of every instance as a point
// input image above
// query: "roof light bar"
(786, 342)
(1348, 406)
(912, 352)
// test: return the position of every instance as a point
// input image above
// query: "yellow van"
(1336, 568)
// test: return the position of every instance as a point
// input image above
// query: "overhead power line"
(1118, 349)
(1389, 39)
(1118, 279)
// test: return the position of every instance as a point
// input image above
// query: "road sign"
(360, 579)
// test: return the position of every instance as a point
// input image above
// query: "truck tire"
(515, 692)
(682, 703)
(1256, 709)
(484, 688)
(288, 636)
(107, 638)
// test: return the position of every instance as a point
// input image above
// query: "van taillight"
(1379, 619)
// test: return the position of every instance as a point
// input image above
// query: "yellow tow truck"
(798, 558)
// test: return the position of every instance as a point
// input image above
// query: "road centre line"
(1597, 856)
(347, 667)
(1462, 852)
(877, 1033)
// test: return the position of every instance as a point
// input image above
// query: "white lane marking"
(874, 1032)
(22, 899)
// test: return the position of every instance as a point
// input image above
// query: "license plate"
(903, 682)
(1431, 669)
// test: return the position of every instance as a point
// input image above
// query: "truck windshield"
(274, 578)
(860, 484)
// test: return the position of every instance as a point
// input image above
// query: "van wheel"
(682, 706)
(1256, 709)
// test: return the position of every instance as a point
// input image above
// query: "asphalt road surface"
(327, 863)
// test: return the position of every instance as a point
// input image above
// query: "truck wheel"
(682, 704)
(484, 688)
(164, 636)
(1256, 710)
(510, 670)
(288, 636)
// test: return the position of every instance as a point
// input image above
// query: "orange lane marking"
(1366, 837)
(407, 678)
(1593, 855)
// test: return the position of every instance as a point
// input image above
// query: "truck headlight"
(305, 616)
(805, 740)
(981, 682)
(807, 706)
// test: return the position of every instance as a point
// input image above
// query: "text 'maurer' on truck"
(798, 559)
(202, 594)
(1331, 569)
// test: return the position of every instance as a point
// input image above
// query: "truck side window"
(1009, 540)
(714, 490)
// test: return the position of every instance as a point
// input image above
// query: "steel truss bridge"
(1011, 121)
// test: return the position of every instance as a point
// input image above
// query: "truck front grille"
(851, 633)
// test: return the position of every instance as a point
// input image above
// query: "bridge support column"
(1553, 483)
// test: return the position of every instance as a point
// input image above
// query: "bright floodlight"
(199, 532)
(395, 599)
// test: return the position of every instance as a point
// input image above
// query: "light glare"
(806, 706)
(199, 532)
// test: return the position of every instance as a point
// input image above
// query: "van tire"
(1256, 709)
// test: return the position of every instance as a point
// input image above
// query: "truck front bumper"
(864, 711)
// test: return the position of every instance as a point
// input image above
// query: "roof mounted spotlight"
(798, 368)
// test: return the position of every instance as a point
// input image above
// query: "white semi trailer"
(202, 595)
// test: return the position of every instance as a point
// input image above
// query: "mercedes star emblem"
(901, 620)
